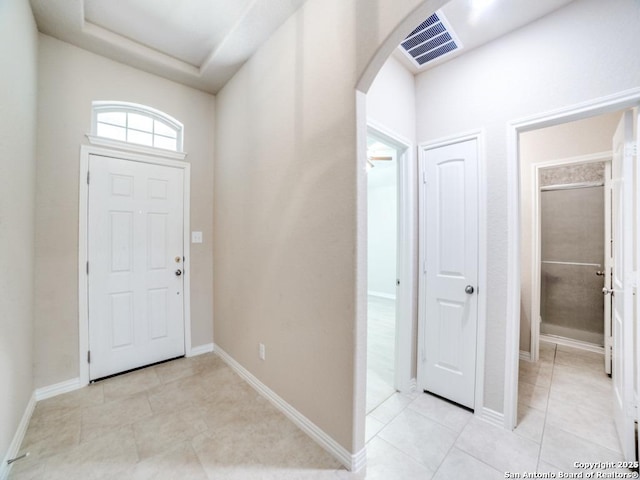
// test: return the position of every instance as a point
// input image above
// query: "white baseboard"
(568, 342)
(201, 349)
(14, 448)
(388, 296)
(353, 462)
(492, 417)
(525, 356)
(413, 385)
(58, 389)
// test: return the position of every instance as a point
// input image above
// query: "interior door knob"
(469, 289)
(178, 272)
(606, 291)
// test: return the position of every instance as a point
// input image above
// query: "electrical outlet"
(261, 351)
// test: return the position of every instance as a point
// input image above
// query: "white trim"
(482, 287)
(536, 229)
(526, 356)
(387, 296)
(413, 385)
(597, 106)
(67, 386)
(132, 147)
(14, 446)
(568, 342)
(491, 416)
(201, 349)
(83, 312)
(352, 462)
(406, 263)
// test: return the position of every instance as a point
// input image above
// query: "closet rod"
(571, 186)
(572, 263)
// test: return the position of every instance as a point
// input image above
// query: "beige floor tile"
(158, 433)
(385, 462)
(571, 390)
(179, 394)
(84, 397)
(547, 352)
(180, 462)
(583, 359)
(422, 439)
(372, 428)
(441, 411)
(117, 413)
(391, 408)
(104, 458)
(378, 390)
(533, 396)
(499, 448)
(530, 423)
(538, 373)
(130, 384)
(458, 464)
(562, 449)
(47, 424)
(593, 425)
(177, 369)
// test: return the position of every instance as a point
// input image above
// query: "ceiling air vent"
(432, 39)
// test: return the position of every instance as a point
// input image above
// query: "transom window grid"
(137, 124)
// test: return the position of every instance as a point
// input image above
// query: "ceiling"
(203, 43)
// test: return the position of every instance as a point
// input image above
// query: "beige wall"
(69, 80)
(286, 209)
(18, 64)
(551, 63)
(592, 135)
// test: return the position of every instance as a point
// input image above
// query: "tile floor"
(196, 419)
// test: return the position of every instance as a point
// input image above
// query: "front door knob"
(469, 289)
(178, 272)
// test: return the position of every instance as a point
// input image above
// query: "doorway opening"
(389, 278)
(567, 187)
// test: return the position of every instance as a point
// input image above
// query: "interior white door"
(135, 255)
(448, 291)
(622, 303)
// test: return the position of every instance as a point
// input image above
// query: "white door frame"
(618, 101)
(132, 154)
(405, 257)
(482, 287)
(536, 245)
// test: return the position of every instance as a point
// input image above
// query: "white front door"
(448, 287)
(135, 252)
(622, 303)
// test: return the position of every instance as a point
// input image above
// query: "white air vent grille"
(432, 39)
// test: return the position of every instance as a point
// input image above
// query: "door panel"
(135, 246)
(622, 301)
(450, 252)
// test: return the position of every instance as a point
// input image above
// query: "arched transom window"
(136, 124)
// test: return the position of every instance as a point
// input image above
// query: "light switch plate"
(196, 237)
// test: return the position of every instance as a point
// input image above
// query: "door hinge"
(88, 356)
(631, 150)
(88, 175)
(87, 268)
